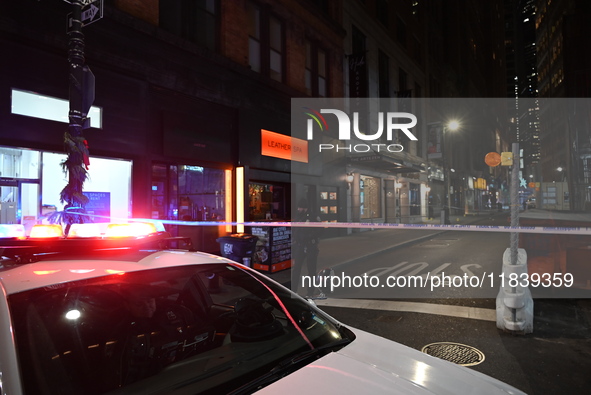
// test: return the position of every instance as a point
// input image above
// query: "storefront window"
(19, 185)
(369, 195)
(201, 194)
(108, 186)
(267, 201)
(159, 194)
(414, 199)
(31, 182)
(192, 194)
(329, 204)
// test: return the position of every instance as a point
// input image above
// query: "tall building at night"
(564, 67)
(522, 79)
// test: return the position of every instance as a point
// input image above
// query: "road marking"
(475, 313)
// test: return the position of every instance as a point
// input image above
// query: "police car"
(104, 312)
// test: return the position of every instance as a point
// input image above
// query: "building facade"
(564, 70)
(190, 95)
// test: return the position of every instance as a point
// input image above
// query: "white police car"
(123, 315)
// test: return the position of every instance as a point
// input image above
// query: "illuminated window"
(414, 199)
(34, 105)
(369, 194)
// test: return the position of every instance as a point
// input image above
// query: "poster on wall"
(273, 249)
(99, 206)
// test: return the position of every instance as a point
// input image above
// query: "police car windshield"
(203, 328)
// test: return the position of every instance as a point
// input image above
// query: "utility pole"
(514, 301)
(81, 95)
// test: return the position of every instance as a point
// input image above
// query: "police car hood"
(374, 365)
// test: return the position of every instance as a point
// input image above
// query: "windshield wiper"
(285, 367)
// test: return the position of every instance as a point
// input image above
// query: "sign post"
(90, 12)
(514, 301)
(81, 95)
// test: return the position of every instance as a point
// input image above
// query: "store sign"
(284, 147)
(480, 184)
(99, 205)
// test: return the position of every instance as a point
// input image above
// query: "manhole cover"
(457, 353)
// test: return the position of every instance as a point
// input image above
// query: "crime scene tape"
(364, 225)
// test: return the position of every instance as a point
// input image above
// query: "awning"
(386, 163)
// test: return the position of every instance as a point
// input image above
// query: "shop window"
(31, 182)
(187, 193)
(201, 193)
(329, 204)
(369, 195)
(192, 194)
(414, 199)
(19, 163)
(267, 201)
(164, 192)
(108, 186)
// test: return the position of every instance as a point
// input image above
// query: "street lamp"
(350, 177)
(397, 186)
(452, 125)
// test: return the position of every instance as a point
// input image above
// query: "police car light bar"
(46, 231)
(77, 231)
(134, 229)
(48, 240)
(84, 230)
(12, 231)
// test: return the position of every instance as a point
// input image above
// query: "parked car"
(147, 315)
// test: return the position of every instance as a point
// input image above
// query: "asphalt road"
(451, 265)
(554, 359)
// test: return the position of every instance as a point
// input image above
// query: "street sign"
(83, 2)
(492, 159)
(506, 158)
(91, 12)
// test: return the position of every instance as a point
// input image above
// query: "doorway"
(19, 202)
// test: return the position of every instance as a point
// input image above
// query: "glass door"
(19, 203)
(9, 204)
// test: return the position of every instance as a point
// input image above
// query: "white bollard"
(515, 306)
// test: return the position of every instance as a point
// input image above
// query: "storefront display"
(267, 201)
(27, 172)
(192, 194)
(273, 249)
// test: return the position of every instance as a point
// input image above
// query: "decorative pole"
(81, 94)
